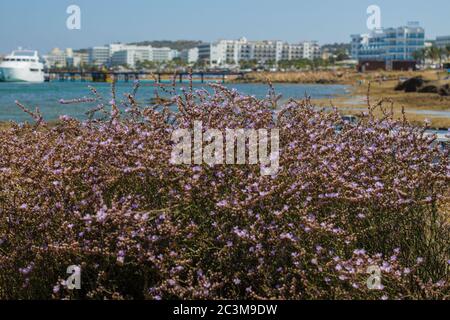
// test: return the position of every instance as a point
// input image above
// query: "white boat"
(22, 66)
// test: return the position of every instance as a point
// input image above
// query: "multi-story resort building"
(189, 55)
(220, 52)
(78, 59)
(163, 54)
(305, 50)
(118, 54)
(130, 55)
(99, 56)
(311, 50)
(265, 51)
(58, 58)
(443, 41)
(65, 58)
(233, 51)
(392, 44)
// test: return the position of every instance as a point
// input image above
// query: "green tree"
(200, 64)
(248, 64)
(447, 49)
(270, 63)
(420, 55)
(146, 64)
(434, 54)
(341, 55)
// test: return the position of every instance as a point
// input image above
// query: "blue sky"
(41, 24)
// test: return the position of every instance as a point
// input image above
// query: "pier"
(108, 76)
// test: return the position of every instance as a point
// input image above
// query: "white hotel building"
(129, 55)
(58, 58)
(99, 56)
(118, 54)
(189, 55)
(305, 50)
(228, 52)
(65, 58)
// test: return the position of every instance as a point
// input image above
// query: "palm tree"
(442, 55)
(448, 51)
(434, 54)
(420, 55)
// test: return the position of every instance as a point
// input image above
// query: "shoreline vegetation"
(103, 195)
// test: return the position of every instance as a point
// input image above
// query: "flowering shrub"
(102, 194)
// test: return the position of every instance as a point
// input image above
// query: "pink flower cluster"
(104, 195)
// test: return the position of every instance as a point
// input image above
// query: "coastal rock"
(418, 84)
(443, 91)
(325, 81)
(428, 89)
(410, 85)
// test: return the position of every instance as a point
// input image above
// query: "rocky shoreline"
(420, 85)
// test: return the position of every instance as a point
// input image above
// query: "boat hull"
(20, 75)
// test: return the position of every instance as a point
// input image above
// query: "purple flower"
(27, 270)
(101, 215)
(288, 236)
(222, 203)
(171, 282)
(56, 289)
(240, 233)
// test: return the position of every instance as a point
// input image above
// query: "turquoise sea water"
(46, 96)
